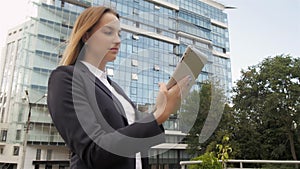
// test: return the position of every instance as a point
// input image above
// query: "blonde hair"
(84, 23)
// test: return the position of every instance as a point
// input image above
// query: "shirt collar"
(97, 72)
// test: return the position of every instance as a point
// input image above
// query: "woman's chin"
(111, 58)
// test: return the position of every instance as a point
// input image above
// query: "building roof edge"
(214, 4)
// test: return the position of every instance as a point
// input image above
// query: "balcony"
(84, 4)
(42, 139)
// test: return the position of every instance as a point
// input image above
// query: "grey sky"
(262, 28)
(257, 28)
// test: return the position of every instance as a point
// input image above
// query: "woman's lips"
(114, 49)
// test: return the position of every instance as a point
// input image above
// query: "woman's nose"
(117, 39)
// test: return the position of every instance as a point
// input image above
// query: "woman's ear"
(85, 37)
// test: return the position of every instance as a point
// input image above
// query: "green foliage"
(266, 105)
(227, 127)
(223, 150)
(264, 121)
(209, 161)
(201, 106)
(195, 112)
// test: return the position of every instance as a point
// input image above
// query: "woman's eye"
(108, 33)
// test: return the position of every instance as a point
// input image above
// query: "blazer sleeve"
(86, 136)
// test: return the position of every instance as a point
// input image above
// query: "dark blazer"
(93, 122)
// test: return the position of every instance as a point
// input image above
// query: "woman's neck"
(93, 61)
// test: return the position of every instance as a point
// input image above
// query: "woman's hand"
(168, 101)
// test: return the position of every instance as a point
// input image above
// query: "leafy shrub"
(209, 161)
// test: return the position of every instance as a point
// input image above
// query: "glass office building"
(154, 33)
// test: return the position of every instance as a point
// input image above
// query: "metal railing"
(45, 138)
(183, 164)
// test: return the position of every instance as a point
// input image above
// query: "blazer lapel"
(98, 83)
(93, 78)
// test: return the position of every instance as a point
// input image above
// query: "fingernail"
(190, 78)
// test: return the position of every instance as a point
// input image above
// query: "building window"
(51, 139)
(135, 11)
(137, 24)
(134, 62)
(18, 135)
(156, 67)
(1, 150)
(48, 166)
(159, 31)
(3, 135)
(224, 50)
(134, 49)
(20, 116)
(49, 154)
(133, 90)
(38, 154)
(16, 150)
(134, 76)
(135, 37)
(176, 50)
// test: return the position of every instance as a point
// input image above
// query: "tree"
(264, 120)
(193, 115)
(201, 115)
(227, 127)
(266, 102)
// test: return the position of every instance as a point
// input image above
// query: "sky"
(262, 28)
(257, 28)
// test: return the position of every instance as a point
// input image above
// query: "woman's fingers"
(162, 87)
(168, 101)
(183, 83)
(182, 86)
(161, 99)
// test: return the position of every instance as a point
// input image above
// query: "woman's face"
(104, 39)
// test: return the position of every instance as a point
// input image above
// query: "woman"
(98, 122)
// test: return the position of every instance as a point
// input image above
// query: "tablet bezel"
(186, 65)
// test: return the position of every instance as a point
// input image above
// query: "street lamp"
(27, 126)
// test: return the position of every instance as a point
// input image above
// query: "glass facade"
(153, 38)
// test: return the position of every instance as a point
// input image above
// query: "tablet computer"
(191, 63)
